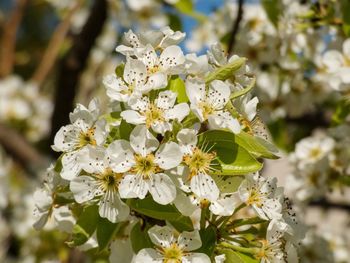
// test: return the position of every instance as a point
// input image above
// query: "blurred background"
(54, 54)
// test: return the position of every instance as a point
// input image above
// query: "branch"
(72, 65)
(8, 41)
(325, 204)
(21, 150)
(53, 47)
(235, 27)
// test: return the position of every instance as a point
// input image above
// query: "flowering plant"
(170, 171)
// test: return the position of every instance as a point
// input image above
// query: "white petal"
(333, 59)
(195, 90)
(205, 187)
(66, 138)
(162, 236)
(142, 141)
(171, 57)
(218, 94)
(187, 139)
(224, 120)
(198, 258)
(84, 188)
(179, 112)
(70, 165)
(132, 186)
(157, 80)
(183, 203)
(147, 255)
(92, 161)
(190, 240)
(169, 155)
(148, 56)
(166, 99)
(135, 72)
(121, 156)
(162, 188)
(112, 208)
(225, 206)
(133, 117)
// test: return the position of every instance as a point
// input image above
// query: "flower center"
(87, 137)
(153, 69)
(172, 254)
(109, 179)
(315, 153)
(199, 161)
(145, 165)
(254, 198)
(153, 114)
(206, 108)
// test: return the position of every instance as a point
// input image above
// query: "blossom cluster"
(178, 138)
(24, 108)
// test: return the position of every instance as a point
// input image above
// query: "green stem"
(249, 250)
(203, 218)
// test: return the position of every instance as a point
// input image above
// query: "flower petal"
(84, 188)
(169, 155)
(121, 156)
(133, 117)
(190, 240)
(142, 141)
(132, 186)
(162, 188)
(161, 236)
(204, 187)
(112, 208)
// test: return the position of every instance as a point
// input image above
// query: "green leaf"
(208, 237)
(226, 71)
(345, 9)
(341, 112)
(233, 159)
(85, 226)
(139, 237)
(174, 22)
(272, 9)
(119, 70)
(236, 257)
(152, 209)
(186, 7)
(228, 184)
(125, 129)
(177, 85)
(105, 232)
(244, 91)
(256, 146)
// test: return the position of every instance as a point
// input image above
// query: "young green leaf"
(139, 237)
(85, 226)
(105, 232)
(177, 85)
(226, 71)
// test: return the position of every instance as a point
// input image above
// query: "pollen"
(199, 161)
(87, 137)
(145, 166)
(207, 109)
(153, 114)
(109, 180)
(172, 254)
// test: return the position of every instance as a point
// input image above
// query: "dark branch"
(235, 27)
(325, 204)
(21, 150)
(73, 64)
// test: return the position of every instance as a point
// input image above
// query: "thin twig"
(20, 149)
(73, 64)
(52, 50)
(8, 41)
(235, 27)
(325, 204)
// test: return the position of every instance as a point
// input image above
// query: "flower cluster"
(178, 144)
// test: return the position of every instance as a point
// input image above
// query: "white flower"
(274, 249)
(158, 39)
(338, 66)
(158, 114)
(133, 84)
(210, 106)
(199, 164)
(263, 195)
(100, 182)
(144, 166)
(170, 62)
(312, 149)
(172, 248)
(72, 139)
